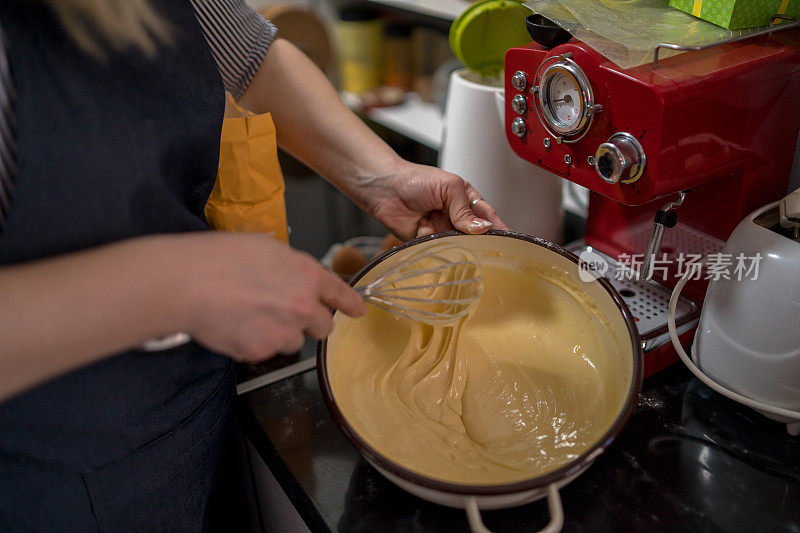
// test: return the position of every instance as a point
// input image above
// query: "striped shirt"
(8, 162)
(237, 35)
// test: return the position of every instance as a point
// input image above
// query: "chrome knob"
(518, 127)
(519, 105)
(620, 159)
(519, 81)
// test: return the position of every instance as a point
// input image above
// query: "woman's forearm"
(312, 122)
(61, 313)
(315, 126)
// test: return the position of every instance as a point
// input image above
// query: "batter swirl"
(521, 386)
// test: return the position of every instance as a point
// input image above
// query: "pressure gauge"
(565, 100)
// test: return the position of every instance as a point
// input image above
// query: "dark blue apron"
(108, 151)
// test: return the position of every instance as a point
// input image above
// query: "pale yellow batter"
(525, 383)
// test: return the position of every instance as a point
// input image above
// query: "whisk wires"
(436, 286)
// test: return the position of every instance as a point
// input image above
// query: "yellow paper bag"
(248, 195)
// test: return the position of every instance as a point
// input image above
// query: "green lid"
(480, 36)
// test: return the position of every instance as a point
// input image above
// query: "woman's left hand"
(415, 200)
(409, 199)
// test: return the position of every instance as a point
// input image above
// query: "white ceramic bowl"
(497, 496)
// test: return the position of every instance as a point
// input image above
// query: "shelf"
(443, 9)
(417, 120)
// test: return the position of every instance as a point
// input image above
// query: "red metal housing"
(722, 122)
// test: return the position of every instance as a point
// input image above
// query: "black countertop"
(690, 460)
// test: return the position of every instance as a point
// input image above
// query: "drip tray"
(648, 302)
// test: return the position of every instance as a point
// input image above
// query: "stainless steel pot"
(472, 498)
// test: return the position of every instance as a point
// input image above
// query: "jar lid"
(482, 34)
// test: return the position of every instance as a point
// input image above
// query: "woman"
(117, 113)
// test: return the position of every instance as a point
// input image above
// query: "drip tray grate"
(648, 302)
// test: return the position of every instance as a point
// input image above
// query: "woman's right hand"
(249, 296)
(246, 296)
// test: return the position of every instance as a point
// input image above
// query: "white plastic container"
(749, 334)
(474, 146)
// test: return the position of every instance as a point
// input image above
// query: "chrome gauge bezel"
(563, 64)
(549, 76)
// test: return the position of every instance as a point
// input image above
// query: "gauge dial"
(564, 100)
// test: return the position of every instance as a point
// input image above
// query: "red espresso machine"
(675, 153)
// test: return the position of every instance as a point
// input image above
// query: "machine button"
(620, 159)
(519, 105)
(519, 81)
(518, 127)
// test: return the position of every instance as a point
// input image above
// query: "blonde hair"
(96, 25)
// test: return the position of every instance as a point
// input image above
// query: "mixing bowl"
(517, 249)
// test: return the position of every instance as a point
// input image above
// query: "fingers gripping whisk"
(436, 286)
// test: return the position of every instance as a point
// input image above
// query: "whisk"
(436, 286)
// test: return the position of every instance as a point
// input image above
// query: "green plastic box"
(738, 14)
